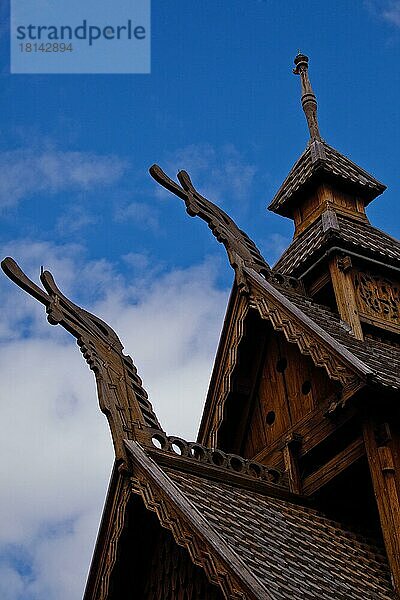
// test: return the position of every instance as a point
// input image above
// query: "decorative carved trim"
(112, 524)
(241, 250)
(122, 397)
(189, 528)
(339, 363)
(112, 547)
(305, 340)
(232, 463)
(185, 536)
(378, 299)
(223, 368)
(325, 352)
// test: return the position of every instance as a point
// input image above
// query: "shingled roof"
(283, 550)
(378, 359)
(381, 356)
(321, 160)
(332, 229)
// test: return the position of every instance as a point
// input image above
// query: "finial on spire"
(308, 99)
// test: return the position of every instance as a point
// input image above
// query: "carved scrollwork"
(217, 458)
(321, 355)
(121, 395)
(114, 533)
(240, 248)
(378, 298)
(185, 536)
(190, 530)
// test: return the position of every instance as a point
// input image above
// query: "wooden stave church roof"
(350, 235)
(326, 329)
(289, 550)
(319, 160)
(254, 542)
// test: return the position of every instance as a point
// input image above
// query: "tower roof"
(319, 161)
(331, 230)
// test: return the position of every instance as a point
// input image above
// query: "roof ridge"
(346, 354)
(197, 453)
(317, 156)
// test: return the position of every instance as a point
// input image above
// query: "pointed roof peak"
(320, 162)
(308, 98)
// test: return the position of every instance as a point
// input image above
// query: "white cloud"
(172, 328)
(26, 172)
(55, 446)
(219, 173)
(392, 12)
(142, 214)
(75, 219)
(389, 10)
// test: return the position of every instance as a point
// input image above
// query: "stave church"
(292, 489)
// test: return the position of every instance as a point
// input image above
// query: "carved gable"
(290, 387)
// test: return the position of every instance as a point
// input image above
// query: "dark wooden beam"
(334, 467)
(384, 466)
(342, 280)
(313, 429)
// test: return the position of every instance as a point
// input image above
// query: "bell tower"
(280, 394)
(342, 260)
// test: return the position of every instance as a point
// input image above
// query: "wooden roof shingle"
(321, 159)
(274, 548)
(351, 235)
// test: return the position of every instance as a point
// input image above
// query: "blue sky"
(75, 196)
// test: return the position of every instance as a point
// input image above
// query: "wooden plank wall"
(290, 387)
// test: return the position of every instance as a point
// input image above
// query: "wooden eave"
(284, 308)
(191, 530)
(322, 163)
(110, 529)
(311, 339)
(232, 328)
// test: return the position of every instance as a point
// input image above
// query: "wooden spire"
(308, 99)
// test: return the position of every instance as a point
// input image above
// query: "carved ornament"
(122, 397)
(378, 298)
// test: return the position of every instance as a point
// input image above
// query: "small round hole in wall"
(157, 442)
(281, 365)
(177, 449)
(306, 388)
(270, 418)
(197, 452)
(217, 458)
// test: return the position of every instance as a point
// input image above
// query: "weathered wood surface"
(313, 429)
(290, 388)
(342, 280)
(385, 472)
(121, 395)
(192, 530)
(336, 465)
